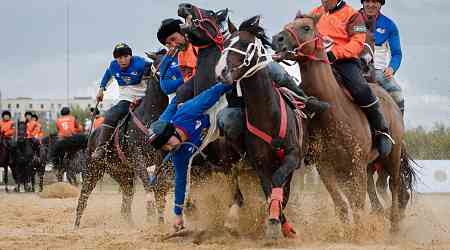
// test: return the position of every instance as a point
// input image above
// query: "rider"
(7, 130)
(343, 44)
(128, 71)
(37, 132)
(182, 136)
(180, 63)
(388, 52)
(66, 124)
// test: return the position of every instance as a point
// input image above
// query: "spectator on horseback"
(37, 133)
(66, 124)
(388, 52)
(182, 136)
(128, 71)
(7, 130)
(343, 44)
(179, 64)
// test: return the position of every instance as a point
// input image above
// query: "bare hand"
(100, 95)
(389, 73)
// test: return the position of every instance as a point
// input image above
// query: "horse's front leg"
(280, 178)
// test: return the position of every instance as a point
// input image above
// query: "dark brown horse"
(138, 153)
(341, 139)
(275, 136)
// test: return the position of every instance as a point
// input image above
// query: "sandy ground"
(28, 221)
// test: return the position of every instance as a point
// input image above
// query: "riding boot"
(313, 105)
(105, 136)
(383, 140)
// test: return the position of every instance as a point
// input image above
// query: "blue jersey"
(171, 77)
(190, 118)
(387, 37)
(129, 76)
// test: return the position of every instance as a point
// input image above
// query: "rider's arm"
(106, 78)
(171, 109)
(396, 50)
(356, 29)
(168, 84)
(199, 104)
(180, 163)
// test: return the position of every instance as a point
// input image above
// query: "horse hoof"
(273, 229)
(288, 231)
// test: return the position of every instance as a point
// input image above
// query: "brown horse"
(341, 138)
(273, 154)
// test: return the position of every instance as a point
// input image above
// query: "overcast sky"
(33, 43)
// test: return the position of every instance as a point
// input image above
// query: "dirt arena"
(28, 221)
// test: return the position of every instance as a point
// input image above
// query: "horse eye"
(306, 28)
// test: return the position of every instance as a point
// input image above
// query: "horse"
(23, 157)
(341, 140)
(6, 161)
(129, 156)
(275, 146)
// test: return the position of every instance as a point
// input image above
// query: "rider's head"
(169, 34)
(164, 136)
(372, 7)
(34, 117)
(28, 115)
(95, 111)
(330, 4)
(65, 111)
(122, 53)
(6, 115)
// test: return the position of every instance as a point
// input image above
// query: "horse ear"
(316, 18)
(231, 27)
(254, 21)
(222, 15)
(151, 55)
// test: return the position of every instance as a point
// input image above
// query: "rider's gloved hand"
(100, 95)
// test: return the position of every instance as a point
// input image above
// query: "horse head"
(202, 27)
(244, 53)
(299, 40)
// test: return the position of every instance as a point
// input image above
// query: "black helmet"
(381, 1)
(65, 111)
(28, 113)
(122, 49)
(95, 111)
(6, 112)
(167, 28)
(160, 133)
(35, 116)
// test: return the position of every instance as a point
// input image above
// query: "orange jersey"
(32, 127)
(38, 133)
(346, 27)
(7, 128)
(187, 60)
(67, 126)
(98, 121)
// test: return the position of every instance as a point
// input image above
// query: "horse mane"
(252, 26)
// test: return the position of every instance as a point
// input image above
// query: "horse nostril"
(284, 49)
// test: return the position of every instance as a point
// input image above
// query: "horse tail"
(408, 170)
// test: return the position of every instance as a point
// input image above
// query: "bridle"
(200, 22)
(318, 40)
(253, 49)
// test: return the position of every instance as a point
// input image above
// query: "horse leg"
(232, 218)
(141, 171)
(329, 179)
(375, 203)
(126, 182)
(5, 178)
(382, 182)
(91, 175)
(395, 186)
(41, 181)
(356, 192)
(286, 228)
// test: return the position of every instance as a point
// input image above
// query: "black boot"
(383, 140)
(105, 136)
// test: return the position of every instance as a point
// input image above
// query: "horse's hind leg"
(329, 179)
(382, 182)
(375, 203)
(5, 178)
(126, 182)
(395, 185)
(91, 175)
(356, 192)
